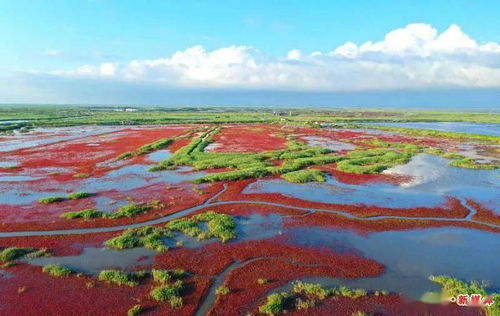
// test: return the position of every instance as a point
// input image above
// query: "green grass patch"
(50, 199)
(222, 290)
(84, 214)
(170, 293)
(452, 287)
(13, 253)
(42, 252)
(372, 160)
(219, 225)
(56, 270)
(156, 145)
(78, 195)
(305, 295)
(165, 276)
(119, 277)
(135, 310)
(130, 210)
(303, 176)
(276, 303)
(148, 237)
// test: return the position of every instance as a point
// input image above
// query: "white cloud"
(51, 52)
(415, 56)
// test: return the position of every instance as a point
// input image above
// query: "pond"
(462, 127)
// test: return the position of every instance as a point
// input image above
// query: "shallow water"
(324, 142)
(7, 164)
(50, 135)
(136, 176)
(13, 190)
(410, 257)
(159, 155)
(93, 260)
(13, 121)
(433, 179)
(463, 127)
(16, 178)
(108, 205)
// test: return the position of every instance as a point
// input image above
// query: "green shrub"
(147, 236)
(185, 225)
(310, 289)
(85, 214)
(220, 226)
(134, 310)
(304, 304)
(13, 253)
(50, 199)
(275, 304)
(117, 277)
(169, 293)
(302, 176)
(161, 276)
(42, 252)
(56, 270)
(129, 210)
(78, 195)
(262, 281)
(159, 144)
(222, 290)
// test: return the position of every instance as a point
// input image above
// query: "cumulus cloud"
(414, 57)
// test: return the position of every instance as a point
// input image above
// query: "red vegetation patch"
(47, 216)
(28, 291)
(331, 220)
(59, 245)
(178, 144)
(245, 290)
(451, 209)
(483, 213)
(213, 258)
(248, 138)
(81, 155)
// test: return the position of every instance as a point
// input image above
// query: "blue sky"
(44, 44)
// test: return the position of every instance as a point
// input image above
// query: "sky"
(339, 53)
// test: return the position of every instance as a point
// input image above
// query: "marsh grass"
(148, 237)
(275, 304)
(120, 278)
(128, 210)
(42, 252)
(156, 145)
(219, 225)
(306, 295)
(78, 195)
(303, 176)
(222, 290)
(50, 199)
(84, 214)
(170, 293)
(56, 270)
(13, 253)
(135, 310)
(452, 287)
